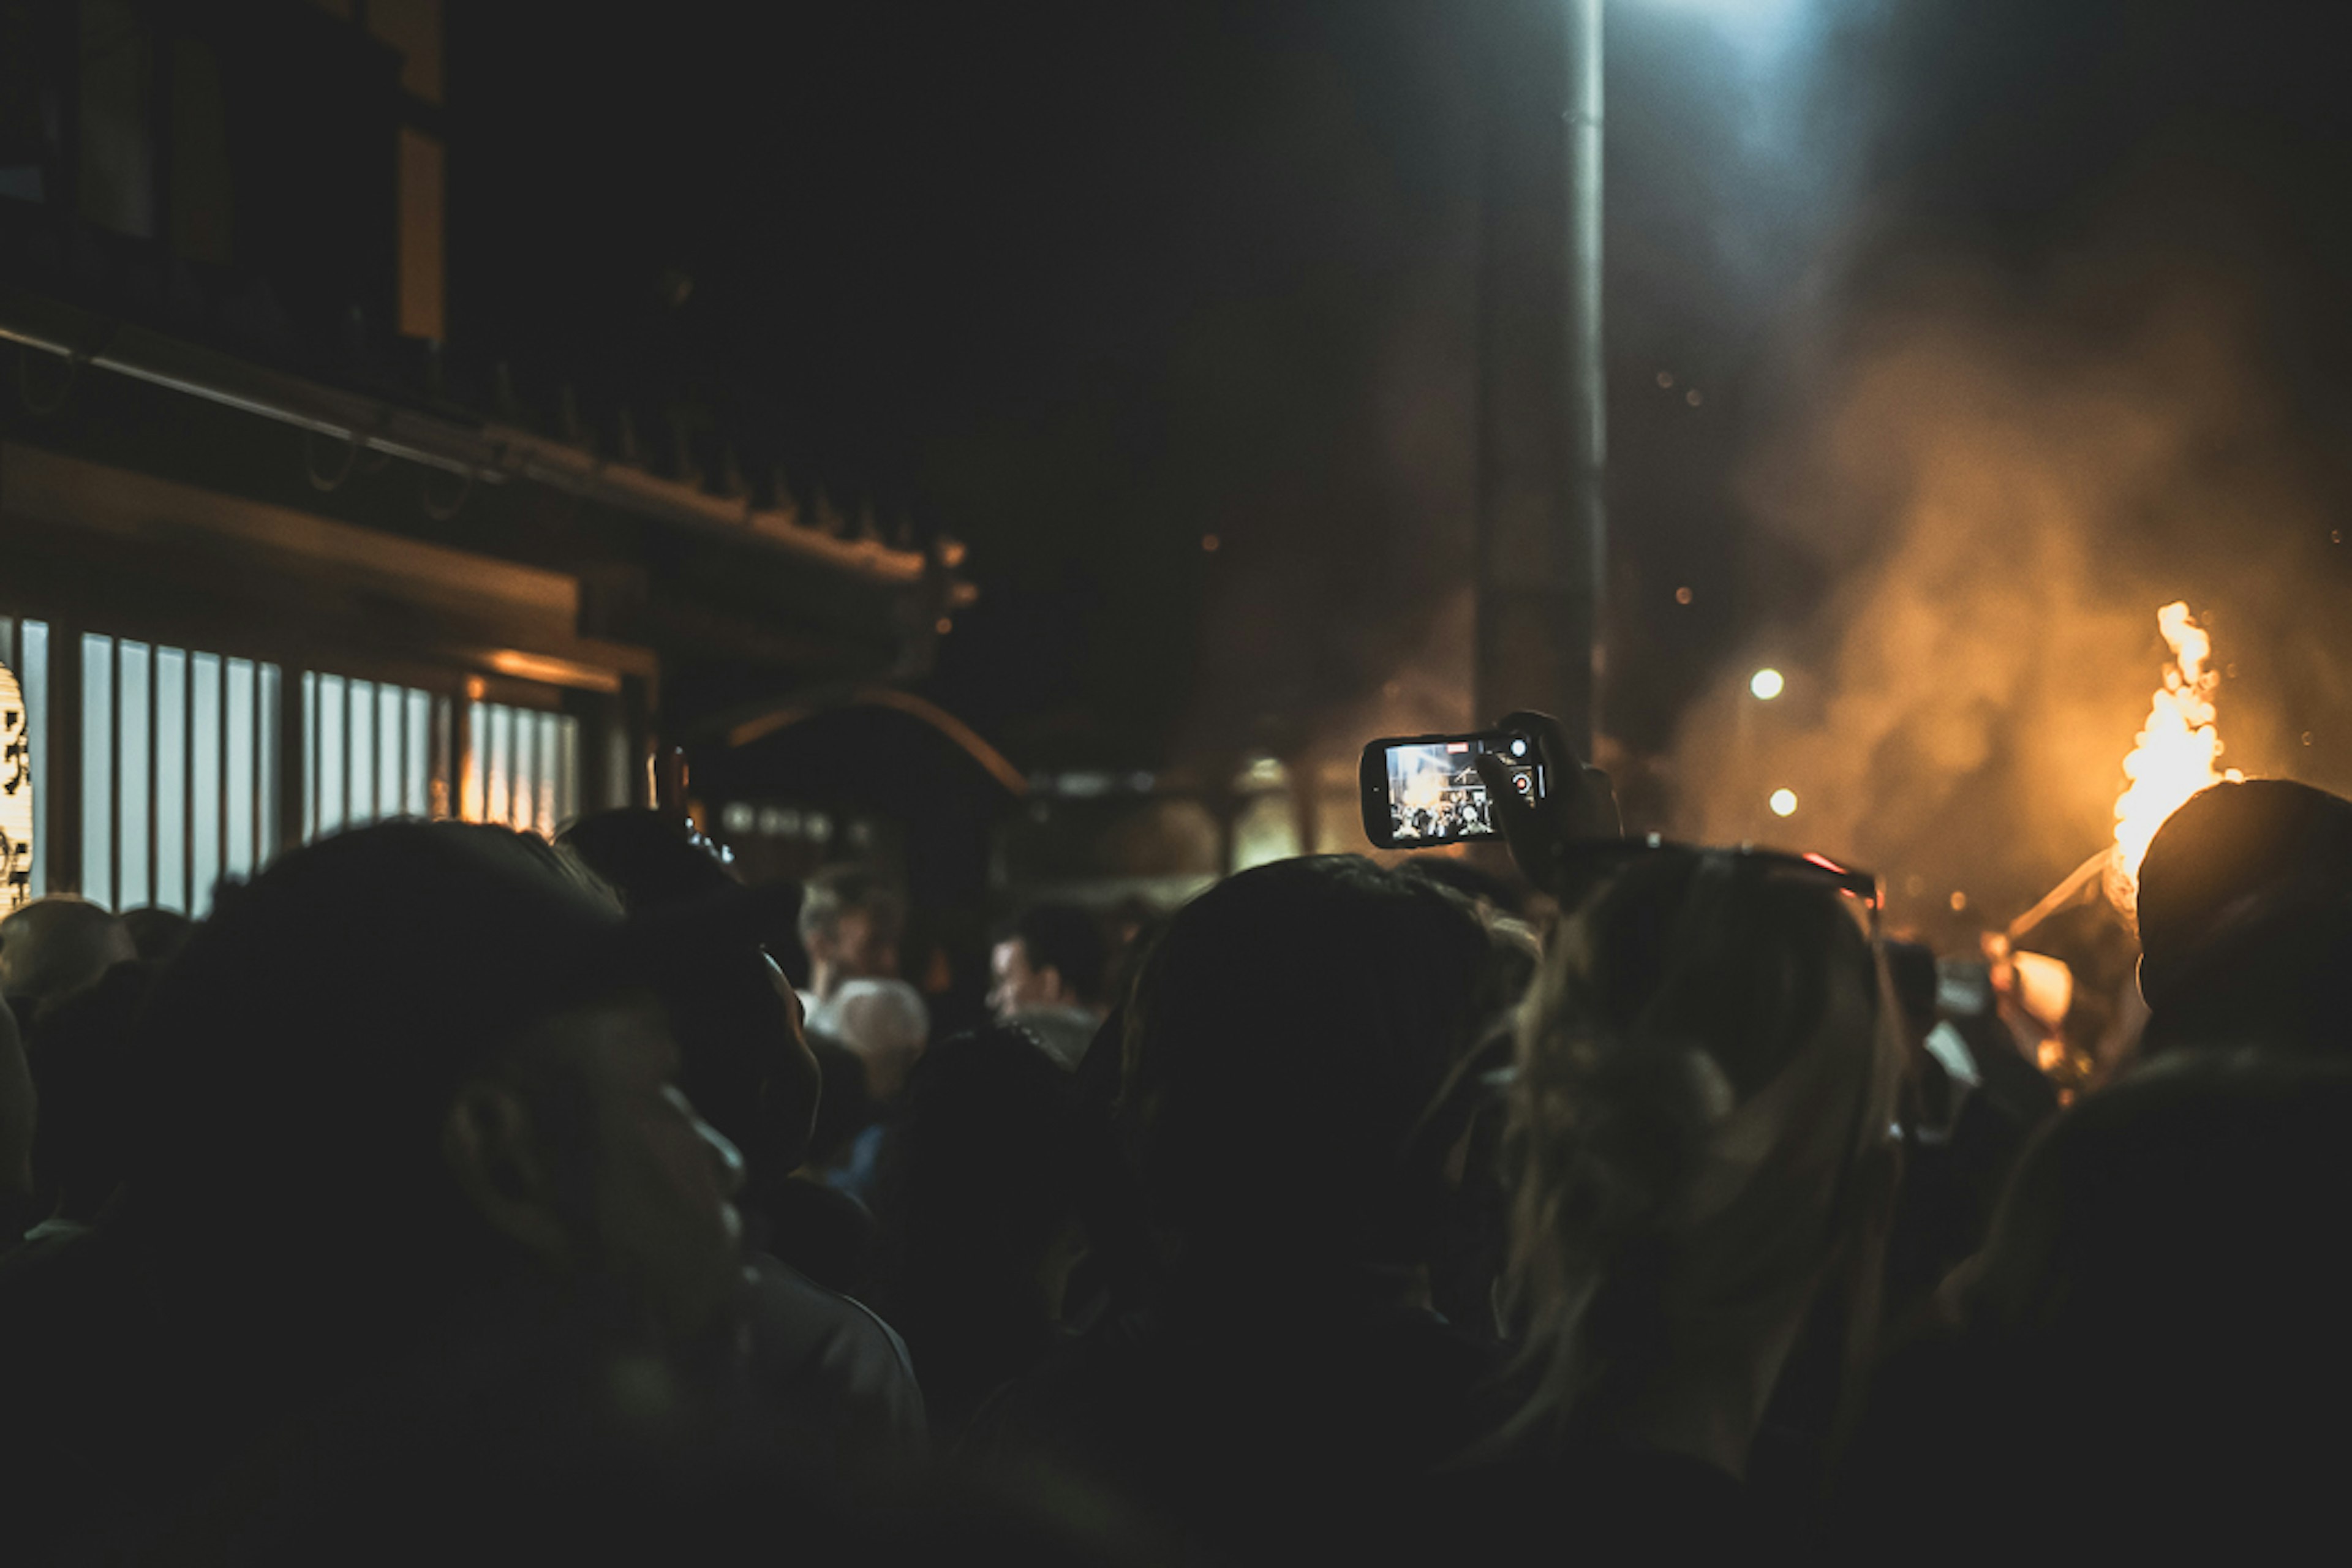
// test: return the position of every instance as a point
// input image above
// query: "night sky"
(1083, 284)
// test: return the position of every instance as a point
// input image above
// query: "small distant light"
(943, 626)
(1959, 900)
(1784, 803)
(1766, 684)
(1682, 595)
(1691, 397)
(1666, 379)
(1518, 748)
(1209, 542)
(2335, 536)
(739, 817)
(2306, 737)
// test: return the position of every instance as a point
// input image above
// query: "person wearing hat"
(418, 1208)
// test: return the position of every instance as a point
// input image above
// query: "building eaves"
(481, 451)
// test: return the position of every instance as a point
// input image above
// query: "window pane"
(134, 780)
(236, 779)
(419, 799)
(360, 734)
(171, 778)
(309, 755)
(204, 780)
(550, 761)
(473, 798)
(502, 738)
(334, 704)
(390, 705)
(271, 765)
(98, 767)
(523, 814)
(567, 772)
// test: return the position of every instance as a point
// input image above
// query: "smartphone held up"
(1422, 791)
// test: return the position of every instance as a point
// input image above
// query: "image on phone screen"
(1436, 795)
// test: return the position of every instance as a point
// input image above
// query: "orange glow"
(2175, 756)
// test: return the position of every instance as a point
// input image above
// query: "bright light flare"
(1767, 684)
(2175, 755)
(1783, 803)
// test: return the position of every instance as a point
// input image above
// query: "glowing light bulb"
(1767, 684)
(1783, 803)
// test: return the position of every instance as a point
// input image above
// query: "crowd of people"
(451, 1195)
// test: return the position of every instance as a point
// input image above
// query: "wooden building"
(275, 559)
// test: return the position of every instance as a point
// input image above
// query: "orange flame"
(2175, 755)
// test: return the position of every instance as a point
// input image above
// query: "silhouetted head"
(850, 921)
(157, 933)
(2164, 1282)
(748, 1066)
(428, 1058)
(1700, 1122)
(1054, 956)
(2245, 919)
(1287, 1033)
(55, 946)
(978, 1202)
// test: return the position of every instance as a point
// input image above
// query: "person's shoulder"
(874, 999)
(799, 1326)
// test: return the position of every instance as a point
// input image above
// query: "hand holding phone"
(1420, 791)
(1580, 806)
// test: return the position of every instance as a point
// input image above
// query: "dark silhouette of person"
(1701, 1155)
(417, 1220)
(824, 1358)
(1047, 974)
(2245, 920)
(980, 1215)
(85, 1070)
(157, 933)
(18, 1111)
(55, 946)
(2148, 1356)
(1287, 1383)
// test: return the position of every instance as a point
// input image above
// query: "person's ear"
(492, 1148)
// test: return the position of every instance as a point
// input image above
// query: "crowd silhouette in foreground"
(451, 1195)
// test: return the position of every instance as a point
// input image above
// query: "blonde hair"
(1684, 1120)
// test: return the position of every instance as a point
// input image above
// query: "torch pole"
(2064, 893)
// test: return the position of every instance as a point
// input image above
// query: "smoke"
(1995, 496)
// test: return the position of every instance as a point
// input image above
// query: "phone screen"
(1434, 793)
